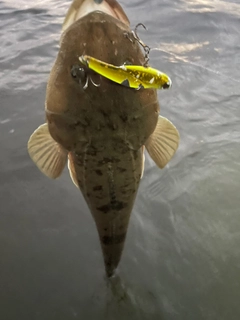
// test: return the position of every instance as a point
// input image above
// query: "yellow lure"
(131, 76)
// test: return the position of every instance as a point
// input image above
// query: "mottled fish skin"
(103, 128)
(109, 182)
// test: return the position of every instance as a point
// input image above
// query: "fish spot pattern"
(113, 240)
(121, 170)
(114, 205)
(97, 188)
(105, 208)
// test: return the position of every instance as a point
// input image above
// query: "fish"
(80, 8)
(129, 75)
(100, 131)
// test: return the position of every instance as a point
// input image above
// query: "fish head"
(80, 8)
(133, 112)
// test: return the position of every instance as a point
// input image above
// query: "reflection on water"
(182, 256)
(203, 6)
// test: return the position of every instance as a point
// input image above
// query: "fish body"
(100, 132)
(129, 75)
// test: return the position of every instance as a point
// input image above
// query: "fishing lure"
(131, 76)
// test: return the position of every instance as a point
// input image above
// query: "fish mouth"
(80, 8)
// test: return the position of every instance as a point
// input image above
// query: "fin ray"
(163, 142)
(46, 153)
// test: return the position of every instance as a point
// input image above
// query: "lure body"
(132, 76)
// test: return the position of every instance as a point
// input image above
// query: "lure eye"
(166, 85)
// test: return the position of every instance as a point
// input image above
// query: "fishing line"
(148, 49)
(195, 64)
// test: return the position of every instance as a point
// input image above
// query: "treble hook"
(80, 74)
(146, 48)
(95, 84)
(87, 81)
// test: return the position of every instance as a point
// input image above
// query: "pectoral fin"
(46, 153)
(163, 142)
(72, 171)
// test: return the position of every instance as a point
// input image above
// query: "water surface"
(182, 254)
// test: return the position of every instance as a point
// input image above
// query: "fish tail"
(109, 186)
(112, 238)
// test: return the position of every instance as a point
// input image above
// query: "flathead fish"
(99, 128)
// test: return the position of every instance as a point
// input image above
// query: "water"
(182, 254)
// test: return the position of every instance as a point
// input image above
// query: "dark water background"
(182, 255)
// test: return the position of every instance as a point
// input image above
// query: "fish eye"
(77, 72)
(74, 73)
